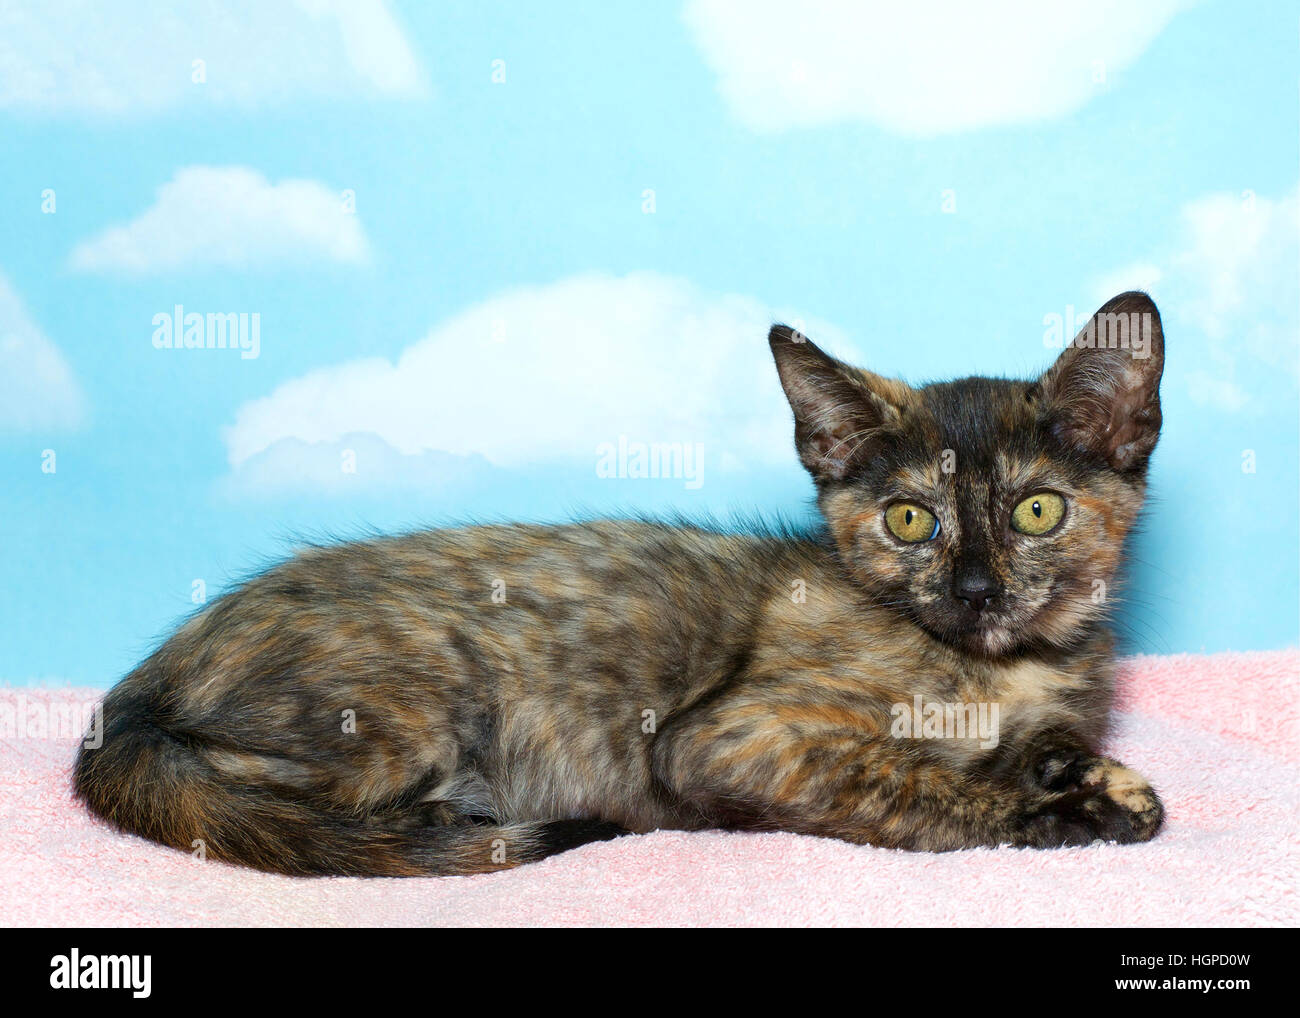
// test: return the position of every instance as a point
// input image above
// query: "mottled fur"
(517, 690)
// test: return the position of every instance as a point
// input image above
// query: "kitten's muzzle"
(976, 589)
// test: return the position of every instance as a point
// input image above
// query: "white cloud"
(86, 57)
(1243, 258)
(922, 68)
(351, 464)
(1208, 389)
(37, 389)
(1139, 276)
(1229, 287)
(547, 373)
(228, 216)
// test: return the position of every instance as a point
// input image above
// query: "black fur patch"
(562, 835)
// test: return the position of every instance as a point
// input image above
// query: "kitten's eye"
(1038, 514)
(911, 523)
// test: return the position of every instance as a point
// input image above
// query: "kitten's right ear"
(1103, 393)
(836, 412)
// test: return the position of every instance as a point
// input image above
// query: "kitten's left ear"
(839, 411)
(1103, 393)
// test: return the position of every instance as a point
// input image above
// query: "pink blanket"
(1219, 736)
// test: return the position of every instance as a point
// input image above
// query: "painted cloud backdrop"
(424, 263)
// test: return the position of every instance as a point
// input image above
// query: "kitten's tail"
(149, 781)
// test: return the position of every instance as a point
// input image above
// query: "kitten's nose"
(976, 589)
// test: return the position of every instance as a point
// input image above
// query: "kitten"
(459, 701)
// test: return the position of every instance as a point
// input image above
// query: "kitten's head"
(991, 512)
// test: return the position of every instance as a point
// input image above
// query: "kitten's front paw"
(1102, 799)
(1059, 770)
(1130, 791)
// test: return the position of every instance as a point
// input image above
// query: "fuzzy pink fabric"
(1218, 735)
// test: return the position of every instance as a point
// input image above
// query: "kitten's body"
(455, 701)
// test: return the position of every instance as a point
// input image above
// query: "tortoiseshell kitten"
(931, 671)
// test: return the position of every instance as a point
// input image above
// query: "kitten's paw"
(1102, 799)
(1059, 770)
(1132, 792)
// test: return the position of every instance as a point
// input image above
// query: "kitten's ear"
(836, 411)
(1103, 393)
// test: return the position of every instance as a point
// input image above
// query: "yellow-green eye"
(1038, 514)
(911, 523)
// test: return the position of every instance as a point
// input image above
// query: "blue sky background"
(503, 299)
